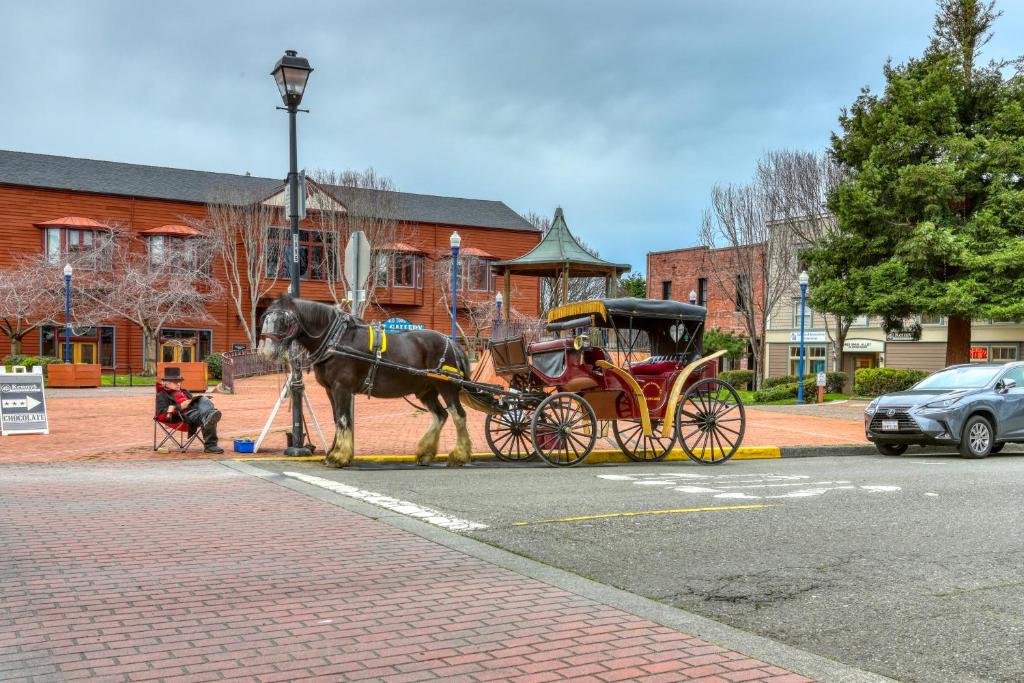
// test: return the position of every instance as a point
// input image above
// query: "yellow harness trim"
(451, 369)
(383, 341)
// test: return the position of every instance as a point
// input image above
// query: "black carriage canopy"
(673, 327)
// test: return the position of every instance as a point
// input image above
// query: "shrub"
(15, 359)
(877, 381)
(41, 361)
(777, 392)
(740, 379)
(215, 364)
(834, 382)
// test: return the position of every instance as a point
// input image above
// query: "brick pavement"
(191, 571)
(104, 427)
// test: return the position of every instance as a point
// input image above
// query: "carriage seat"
(660, 365)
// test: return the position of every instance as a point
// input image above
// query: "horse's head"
(279, 328)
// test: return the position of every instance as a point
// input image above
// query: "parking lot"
(870, 561)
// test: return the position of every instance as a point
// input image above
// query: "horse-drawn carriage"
(672, 395)
(556, 390)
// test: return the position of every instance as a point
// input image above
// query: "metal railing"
(247, 363)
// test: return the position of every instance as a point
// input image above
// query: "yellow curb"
(595, 457)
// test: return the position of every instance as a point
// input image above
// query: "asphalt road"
(908, 567)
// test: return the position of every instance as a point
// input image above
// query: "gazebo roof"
(558, 251)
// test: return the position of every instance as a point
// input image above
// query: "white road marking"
(925, 462)
(929, 493)
(736, 486)
(403, 507)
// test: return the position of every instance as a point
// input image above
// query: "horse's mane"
(313, 313)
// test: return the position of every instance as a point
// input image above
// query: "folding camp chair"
(174, 429)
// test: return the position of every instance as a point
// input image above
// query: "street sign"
(822, 379)
(238, 346)
(357, 267)
(400, 325)
(22, 403)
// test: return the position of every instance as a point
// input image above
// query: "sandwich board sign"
(22, 403)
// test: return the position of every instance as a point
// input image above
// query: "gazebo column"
(508, 295)
(565, 284)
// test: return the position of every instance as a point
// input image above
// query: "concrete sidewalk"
(112, 426)
(193, 571)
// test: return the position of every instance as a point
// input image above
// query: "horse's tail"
(467, 398)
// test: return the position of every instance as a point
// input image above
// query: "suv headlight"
(871, 408)
(944, 403)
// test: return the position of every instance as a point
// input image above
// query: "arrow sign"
(28, 403)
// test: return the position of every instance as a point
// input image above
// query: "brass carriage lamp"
(291, 74)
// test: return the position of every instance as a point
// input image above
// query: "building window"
(814, 359)
(89, 249)
(702, 292)
(860, 321)
(399, 269)
(741, 291)
(178, 254)
(929, 319)
(1003, 354)
(95, 344)
(475, 274)
(808, 313)
(666, 290)
(318, 254)
(979, 354)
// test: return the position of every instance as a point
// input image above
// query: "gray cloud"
(623, 113)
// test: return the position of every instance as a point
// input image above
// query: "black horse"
(318, 328)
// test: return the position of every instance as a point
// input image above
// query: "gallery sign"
(809, 337)
(863, 346)
(22, 404)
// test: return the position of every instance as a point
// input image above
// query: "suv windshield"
(959, 378)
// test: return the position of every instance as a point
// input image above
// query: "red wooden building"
(51, 204)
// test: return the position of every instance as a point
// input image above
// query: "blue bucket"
(244, 446)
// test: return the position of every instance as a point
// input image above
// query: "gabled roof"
(560, 250)
(176, 184)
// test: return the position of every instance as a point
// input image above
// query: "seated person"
(174, 404)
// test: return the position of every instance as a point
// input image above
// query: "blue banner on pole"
(400, 325)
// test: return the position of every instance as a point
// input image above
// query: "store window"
(666, 290)
(979, 354)
(399, 269)
(702, 292)
(180, 345)
(814, 359)
(93, 344)
(1003, 354)
(318, 254)
(178, 254)
(808, 312)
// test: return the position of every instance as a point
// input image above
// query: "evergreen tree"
(931, 217)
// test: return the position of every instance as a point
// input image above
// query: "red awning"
(175, 230)
(473, 251)
(73, 222)
(402, 246)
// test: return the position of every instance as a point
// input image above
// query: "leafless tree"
(237, 230)
(797, 185)
(152, 293)
(31, 295)
(346, 202)
(753, 262)
(580, 288)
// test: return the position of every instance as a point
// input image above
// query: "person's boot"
(210, 433)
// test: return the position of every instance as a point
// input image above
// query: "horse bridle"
(290, 332)
(328, 337)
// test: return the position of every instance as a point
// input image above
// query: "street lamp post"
(455, 243)
(803, 316)
(693, 297)
(498, 299)
(291, 73)
(67, 313)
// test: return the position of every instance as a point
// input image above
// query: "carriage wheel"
(564, 429)
(710, 422)
(508, 435)
(629, 434)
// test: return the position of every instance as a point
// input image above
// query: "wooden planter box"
(194, 375)
(73, 375)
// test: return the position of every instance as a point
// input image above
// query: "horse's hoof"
(455, 462)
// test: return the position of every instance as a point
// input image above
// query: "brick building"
(50, 204)
(711, 274)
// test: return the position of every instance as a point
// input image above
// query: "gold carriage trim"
(578, 309)
(670, 408)
(645, 414)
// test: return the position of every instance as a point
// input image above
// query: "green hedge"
(214, 364)
(741, 379)
(877, 381)
(29, 361)
(777, 392)
(834, 382)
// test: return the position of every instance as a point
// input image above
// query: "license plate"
(890, 425)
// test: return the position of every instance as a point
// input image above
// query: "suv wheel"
(891, 448)
(977, 440)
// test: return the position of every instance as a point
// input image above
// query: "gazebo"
(559, 255)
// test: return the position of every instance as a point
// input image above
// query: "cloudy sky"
(624, 113)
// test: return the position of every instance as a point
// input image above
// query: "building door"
(83, 352)
(865, 360)
(176, 352)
